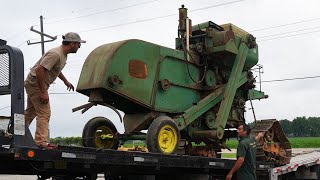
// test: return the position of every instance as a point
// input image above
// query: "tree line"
(67, 141)
(301, 127)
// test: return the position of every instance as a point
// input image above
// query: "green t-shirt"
(247, 149)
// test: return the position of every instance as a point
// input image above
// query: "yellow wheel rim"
(103, 143)
(167, 139)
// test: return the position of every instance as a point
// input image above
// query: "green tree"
(67, 141)
(300, 127)
(287, 127)
(314, 126)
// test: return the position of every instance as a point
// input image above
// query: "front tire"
(163, 136)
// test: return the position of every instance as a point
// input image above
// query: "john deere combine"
(190, 99)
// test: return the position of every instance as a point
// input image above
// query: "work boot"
(47, 146)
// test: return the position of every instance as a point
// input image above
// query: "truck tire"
(94, 128)
(163, 136)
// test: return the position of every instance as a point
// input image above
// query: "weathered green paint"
(205, 104)
(161, 62)
(176, 98)
(113, 59)
(228, 97)
(252, 58)
(95, 69)
(169, 85)
(201, 107)
(255, 94)
(139, 90)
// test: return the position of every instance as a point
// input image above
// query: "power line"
(290, 79)
(159, 17)
(289, 36)
(133, 22)
(16, 35)
(4, 108)
(102, 12)
(268, 81)
(58, 93)
(139, 4)
(217, 5)
(83, 9)
(288, 24)
(290, 32)
(24, 42)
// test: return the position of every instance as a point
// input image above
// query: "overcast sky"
(287, 31)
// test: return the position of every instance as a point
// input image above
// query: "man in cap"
(37, 83)
(245, 165)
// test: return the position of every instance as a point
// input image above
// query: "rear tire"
(92, 131)
(163, 136)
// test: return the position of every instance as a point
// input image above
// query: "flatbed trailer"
(19, 155)
(72, 162)
(78, 162)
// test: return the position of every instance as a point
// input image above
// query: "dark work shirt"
(247, 149)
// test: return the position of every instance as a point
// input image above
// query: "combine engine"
(190, 99)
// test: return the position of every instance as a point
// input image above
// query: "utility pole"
(42, 34)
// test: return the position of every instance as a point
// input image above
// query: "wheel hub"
(167, 139)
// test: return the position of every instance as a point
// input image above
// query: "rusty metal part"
(165, 84)
(205, 151)
(87, 106)
(114, 80)
(133, 148)
(209, 150)
(138, 69)
(84, 107)
(274, 146)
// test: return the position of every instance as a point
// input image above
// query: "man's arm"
(40, 74)
(236, 166)
(66, 82)
(259, 136)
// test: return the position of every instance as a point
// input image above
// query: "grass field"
(296, 142)
(228, 155)
(305, 142)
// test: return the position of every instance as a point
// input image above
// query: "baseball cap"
(72, 37)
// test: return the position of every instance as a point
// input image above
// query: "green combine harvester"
(190, 99)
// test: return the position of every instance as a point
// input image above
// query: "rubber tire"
(153, 132)
(90, 129)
